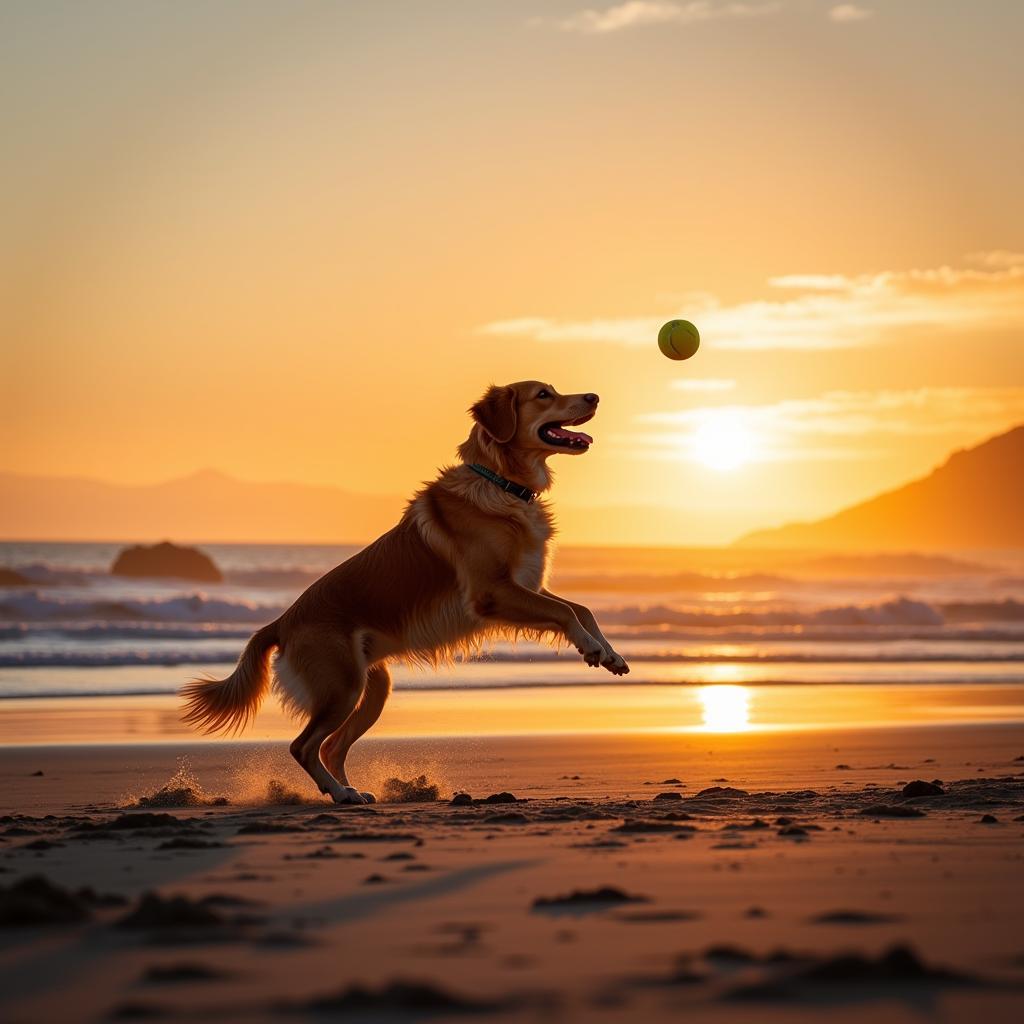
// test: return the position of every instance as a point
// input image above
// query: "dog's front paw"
(615, 663)
(591, 651)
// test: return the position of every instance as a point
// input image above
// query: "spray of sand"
(182, 789)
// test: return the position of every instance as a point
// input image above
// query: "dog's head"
(519, 426)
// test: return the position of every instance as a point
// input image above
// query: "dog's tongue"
(569, 435)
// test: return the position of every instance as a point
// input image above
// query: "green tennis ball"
(678, 339)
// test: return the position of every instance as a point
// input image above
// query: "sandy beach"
(631, 876)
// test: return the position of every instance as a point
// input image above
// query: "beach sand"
(777, 876)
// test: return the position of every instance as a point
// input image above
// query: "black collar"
(506, 485)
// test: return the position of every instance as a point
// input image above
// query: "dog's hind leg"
(335, 681)
(366, 713)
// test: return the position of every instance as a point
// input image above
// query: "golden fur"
(466, 561)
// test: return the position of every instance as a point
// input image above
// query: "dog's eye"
(543, 393)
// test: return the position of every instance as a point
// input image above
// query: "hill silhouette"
(973, 501)
(208, 505)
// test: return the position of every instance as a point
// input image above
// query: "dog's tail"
(216, 705)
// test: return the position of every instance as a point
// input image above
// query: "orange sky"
(295, 241)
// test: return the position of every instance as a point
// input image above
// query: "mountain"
(208, 506)
(973, 501)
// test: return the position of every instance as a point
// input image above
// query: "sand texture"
(561, 899)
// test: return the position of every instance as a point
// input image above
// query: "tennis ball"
(678, 339)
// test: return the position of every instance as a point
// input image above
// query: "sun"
(722, 441)
(724, 708)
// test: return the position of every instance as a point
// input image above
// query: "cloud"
(839, 424)
(637, 13)
(846, 13)
(703, 384)
(997, 258)
(821, 311)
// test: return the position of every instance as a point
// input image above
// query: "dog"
(468, 560)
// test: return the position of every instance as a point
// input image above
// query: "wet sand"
(771, 876)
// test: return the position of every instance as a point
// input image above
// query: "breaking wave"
(902, 611)
(33, 606)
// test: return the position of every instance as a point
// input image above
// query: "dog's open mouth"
(559, 436)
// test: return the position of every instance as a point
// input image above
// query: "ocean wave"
(42, 574)
(135, 631)
(229, 656)
(901, 611)
(32, 606)
(116, 659)
(87, 632)
(35, 606)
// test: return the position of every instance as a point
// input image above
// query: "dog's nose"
(591, 398)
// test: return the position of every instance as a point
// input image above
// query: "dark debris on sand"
(606, 895)
(743, 976)
(397, 997)
(179, 973)
(854, 917)
(865, 977)
(36, 901)
(891, 811)
(159, 912)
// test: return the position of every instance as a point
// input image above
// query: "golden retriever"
(467, 560)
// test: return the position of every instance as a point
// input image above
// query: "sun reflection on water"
(724, 708)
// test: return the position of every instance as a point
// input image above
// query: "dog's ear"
(496, 413)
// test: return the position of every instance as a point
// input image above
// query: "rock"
(988, 819)
(500, 798)
(669, 796)
(921, 788)
(722, 792)
(460, 800)
(10, 578)
(166, 560)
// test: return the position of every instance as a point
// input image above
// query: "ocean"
(679, 619)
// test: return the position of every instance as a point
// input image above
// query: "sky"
(296, 241)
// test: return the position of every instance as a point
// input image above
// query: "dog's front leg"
(509, 603)
(612, 660)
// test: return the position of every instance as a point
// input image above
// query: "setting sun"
(725, 708)
(722, 441)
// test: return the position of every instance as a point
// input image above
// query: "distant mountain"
(208, 505)
(974, 501)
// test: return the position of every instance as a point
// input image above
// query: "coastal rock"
(166, 560)
(10, 578)
(921, 788)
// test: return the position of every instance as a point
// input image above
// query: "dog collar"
(506, 485)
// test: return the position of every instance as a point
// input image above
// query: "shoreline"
(711, 709)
